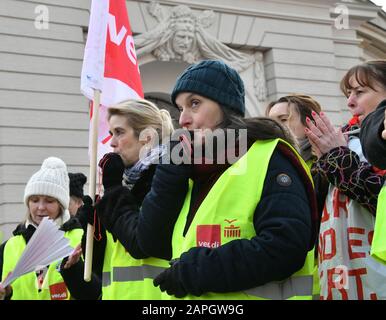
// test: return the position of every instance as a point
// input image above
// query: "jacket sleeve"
(73, 276)
(371, 140)
(78, 287)
(98, 251)
(148, 231)
(118, 210)
(353, 177)
(1, 267)
(321, 190)
(2, 259)
(282, 222)
(160, 209)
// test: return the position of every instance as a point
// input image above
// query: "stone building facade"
(278, 46)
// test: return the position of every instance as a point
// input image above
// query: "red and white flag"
(110, 62)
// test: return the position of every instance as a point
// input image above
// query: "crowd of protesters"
(226, 207)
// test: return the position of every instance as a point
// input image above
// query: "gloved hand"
(85, 213)
(186, 141)
(114, 203)
(179, 148)
(112, 170)
(5, 293)
(169, 281)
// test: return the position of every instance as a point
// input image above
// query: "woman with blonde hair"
(46, 195)
(137, 127)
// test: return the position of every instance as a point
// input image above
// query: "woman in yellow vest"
(347, 271)
(46, 194)
(292, 111)
(123, 272)
(247, 223)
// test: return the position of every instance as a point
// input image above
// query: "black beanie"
(77, 181)
(215, 80)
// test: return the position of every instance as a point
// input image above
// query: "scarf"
(132, 174)
(305, 149)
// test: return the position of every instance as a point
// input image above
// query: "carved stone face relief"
(181, 35)
(182, 41)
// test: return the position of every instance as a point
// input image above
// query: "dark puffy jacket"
(374, 147)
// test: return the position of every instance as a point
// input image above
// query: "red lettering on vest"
(208, 236)
(370, 237)
(327, 239)
(373, 296)
(338, 282)
(325, 215)
(58, 291)
(339, 201)
(357, 274)
(355, 242)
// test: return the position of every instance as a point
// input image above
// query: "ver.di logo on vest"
(209, 235)
(58, 291)
(231, 231)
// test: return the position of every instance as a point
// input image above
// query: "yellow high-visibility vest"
(227, 214)
(127, 278)
(26, 287)
(378, 245)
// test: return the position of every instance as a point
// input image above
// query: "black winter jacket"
(284, 220)
(374, 147)
(147, 231)
(123, 207)
(73, 276)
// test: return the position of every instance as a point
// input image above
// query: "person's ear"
(149, 136)
(148, 139)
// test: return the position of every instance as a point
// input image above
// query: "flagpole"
(92, 184)
(108, 39)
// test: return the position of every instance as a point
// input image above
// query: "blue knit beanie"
(215, 80)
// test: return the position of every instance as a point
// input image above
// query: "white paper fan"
(46, 245)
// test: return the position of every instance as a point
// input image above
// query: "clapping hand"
(322, 135)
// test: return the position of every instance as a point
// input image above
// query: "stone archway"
(158, 80)
(163, 102)
(181, 36)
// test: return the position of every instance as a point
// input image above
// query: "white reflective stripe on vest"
(106, 279)
(294, 286)
(134, 273)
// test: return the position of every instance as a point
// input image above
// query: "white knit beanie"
(51, 180)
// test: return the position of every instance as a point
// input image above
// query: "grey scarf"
(305, 149)
(132, 174)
